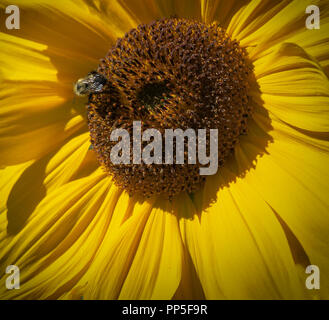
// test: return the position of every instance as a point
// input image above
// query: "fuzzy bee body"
(93, 83)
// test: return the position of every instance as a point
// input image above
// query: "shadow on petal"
(30, 189)
(26, 194)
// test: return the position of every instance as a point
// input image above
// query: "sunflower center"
(153, 95)
(170, 74)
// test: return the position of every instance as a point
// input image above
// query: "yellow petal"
(264, 25)
(190, 287)
(262, 21)
(34, 115)
(125, 208)
(294, 88)
(292, 177)
(219, 10)
(141, 259)
(157, 9)
(24, 186)
(31, 137)
(60, 239)
(239, 248)
(23, 60)
(82, 37)
(8, 178)
(315, 41)
(252, 16)
(155, 272)
(107, 274)
(66, 162)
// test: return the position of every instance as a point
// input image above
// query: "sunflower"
(78, 227)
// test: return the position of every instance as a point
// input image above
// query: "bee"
(93, 83)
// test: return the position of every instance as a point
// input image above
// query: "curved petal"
(30, 142)
(35, 118)
(190, 287)
(24, 186)
(127, 214)
(263, 25)
(239, 248)
(51, 242)
(65, 164)
(8, 178)
(157, 9)
(22, 60)
(292, 177)
(81, 38)
(294, 88)
(155, 272)
(219, 10)
(252, 17)
(143, 259)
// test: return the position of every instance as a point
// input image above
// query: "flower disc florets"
(170, 74)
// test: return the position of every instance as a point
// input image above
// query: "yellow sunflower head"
(74, 224)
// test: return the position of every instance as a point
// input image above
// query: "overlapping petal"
(35, 118)
(55, 231)
(143, 260)
(294, 87)
(237, 258)
(292, 178)
(262, 25)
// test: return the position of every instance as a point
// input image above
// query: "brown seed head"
(169, 74)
